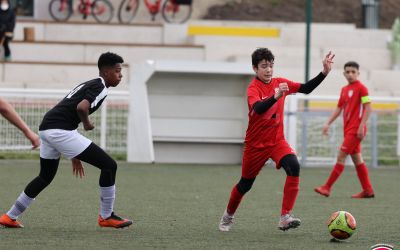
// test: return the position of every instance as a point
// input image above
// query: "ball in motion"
(341, 225)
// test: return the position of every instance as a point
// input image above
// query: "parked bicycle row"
(173, 11)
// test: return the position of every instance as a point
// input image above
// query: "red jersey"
(266, 129)
(352, 98)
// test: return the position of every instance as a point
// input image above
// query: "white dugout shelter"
(185, 111)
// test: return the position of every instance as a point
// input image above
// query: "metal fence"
(303, 126)
(110, 121)
(380, 147)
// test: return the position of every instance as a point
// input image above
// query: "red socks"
(234, 201)
(362, 172)
(290, 192)
(336, 172)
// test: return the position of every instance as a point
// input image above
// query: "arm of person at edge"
(262, 106)
(83, 112)
(332, 118)
(8, 112)
(77, 168)
(364, 119)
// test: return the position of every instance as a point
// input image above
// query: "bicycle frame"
(61, 10)
(153, 8)
(171, 10)
(63, 5)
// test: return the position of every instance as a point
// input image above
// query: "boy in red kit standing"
(265, 138)
(356, 106)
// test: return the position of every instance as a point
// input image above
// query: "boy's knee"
(245, 185)
(112, 165)
(291, 165)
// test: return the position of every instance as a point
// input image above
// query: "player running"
(58, 135)
(265, 138)
(356, 106)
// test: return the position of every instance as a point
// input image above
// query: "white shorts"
(55, 142)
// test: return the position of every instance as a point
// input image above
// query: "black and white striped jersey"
(64, 114)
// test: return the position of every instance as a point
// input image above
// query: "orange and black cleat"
(6, 221)
(114, 221)
(364, 194)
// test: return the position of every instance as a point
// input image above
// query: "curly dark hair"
(352, 64)
(261, 54)
(109, 59)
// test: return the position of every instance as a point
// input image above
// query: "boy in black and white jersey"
(58, 136)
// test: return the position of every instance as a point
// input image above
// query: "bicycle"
(173, 11)
(101, 10)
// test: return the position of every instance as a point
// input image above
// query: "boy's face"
(112, 75)
(351, 74)
(264, 70)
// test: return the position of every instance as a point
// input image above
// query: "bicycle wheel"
(102, 11)
(60, 10)
(127, 10)
(176, 13)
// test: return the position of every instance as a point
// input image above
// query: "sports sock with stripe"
(23, 201)
(107, 197)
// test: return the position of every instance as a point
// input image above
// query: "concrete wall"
(73, 32)
(193, 112)
(47, 75)
(89, 53)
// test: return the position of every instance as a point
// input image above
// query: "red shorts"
(254, 158)
(351, 144)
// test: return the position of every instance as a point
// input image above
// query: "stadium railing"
(209, 135)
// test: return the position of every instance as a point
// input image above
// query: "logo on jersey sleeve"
(76, 89)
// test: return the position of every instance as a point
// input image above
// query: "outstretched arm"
(335, 114)
(309, 86)
(8, 112)
(364, 119)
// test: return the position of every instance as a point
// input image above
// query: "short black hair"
(352, 64)
(261, 54)
(109, 59)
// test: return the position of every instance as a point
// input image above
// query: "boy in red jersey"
(265, 138)
(356, 106)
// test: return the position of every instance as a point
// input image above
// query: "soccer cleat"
(6, 221)
(287, 222)
(114, 221)
(364, 194)
(323, 190)
(226, 222)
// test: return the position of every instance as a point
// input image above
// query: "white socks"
(107, 197)
(23, 201)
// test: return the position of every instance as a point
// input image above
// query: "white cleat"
(287, 222)
(226, 222)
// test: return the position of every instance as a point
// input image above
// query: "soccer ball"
(341, 225)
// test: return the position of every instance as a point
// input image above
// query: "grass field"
(179, 207)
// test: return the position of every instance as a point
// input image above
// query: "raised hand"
(327, 63)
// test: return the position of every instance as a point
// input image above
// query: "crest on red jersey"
(350, 93)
